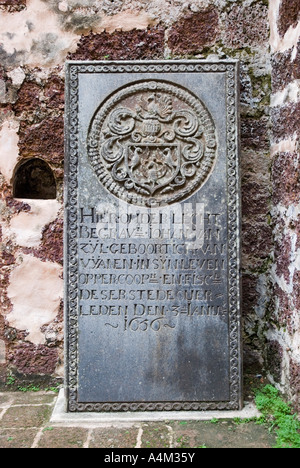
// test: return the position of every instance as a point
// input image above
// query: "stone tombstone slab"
(152, 286)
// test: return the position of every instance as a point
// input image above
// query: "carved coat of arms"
(152, 143)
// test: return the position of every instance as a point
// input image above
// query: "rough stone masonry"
(36, 38)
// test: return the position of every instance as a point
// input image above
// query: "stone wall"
(36, 37)
(283, 334)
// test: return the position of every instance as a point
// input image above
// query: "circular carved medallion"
(152, 143)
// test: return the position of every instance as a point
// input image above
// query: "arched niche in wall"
(34, 179)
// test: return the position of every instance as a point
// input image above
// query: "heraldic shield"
(152, 166)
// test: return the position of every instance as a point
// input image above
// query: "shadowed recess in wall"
(34, 179)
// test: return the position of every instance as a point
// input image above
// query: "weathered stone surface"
(285, 121)
(131, 45)
(247, 25)
(2, 352)
(30, 359)
(296, 289)
(289, 15)
(295, 226)
(44, 140)
(282, 255)
(52, 241)
(284, 317)
(256, 200)
(54, 92)
(286, 178)
(190, 34)
(12, 2)
(255, 133)
(51, 245)
(16, 206)
(274, 359)
(285, 68)
(250, 294)
(257, 241)
(5, 301)
(255, 166)
(28, 98)
(35, 99)
(295, 382)
(13, 5)
(147, 291)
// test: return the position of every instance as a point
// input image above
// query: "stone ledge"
(59, 415)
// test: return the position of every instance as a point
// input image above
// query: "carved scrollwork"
(152, 143)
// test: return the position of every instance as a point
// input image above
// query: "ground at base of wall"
(11, 382)
(25, 423)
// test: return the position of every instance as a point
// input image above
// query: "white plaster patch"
(297, 260)
(291, 94)
(27, 227)
(35, 290)
(126, 21)
(17, 76)
(63, 6)
(34, 36)
(9, 150)
(285, 146)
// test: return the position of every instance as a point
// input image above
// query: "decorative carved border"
(231, 70)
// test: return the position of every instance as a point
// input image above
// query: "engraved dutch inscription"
(152, 300)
